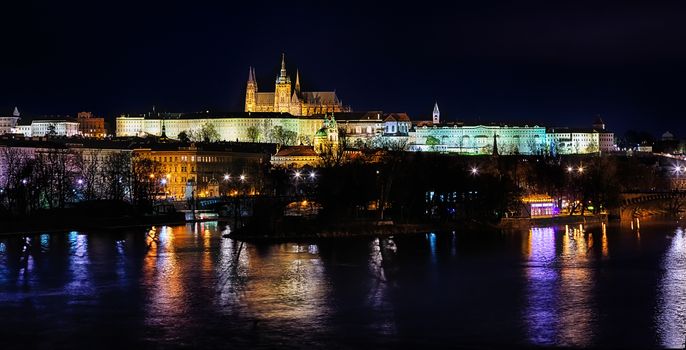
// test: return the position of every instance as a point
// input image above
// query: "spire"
(283, 66)
(163, 135)
(251, 75)
(16, 112)
(495, 145)
(437, 114)
(297, 81)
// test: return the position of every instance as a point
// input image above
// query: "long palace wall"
(465, 139)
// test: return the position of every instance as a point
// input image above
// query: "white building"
(573, 141)
(478, 139)
(48, 127)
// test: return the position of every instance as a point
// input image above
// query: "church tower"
(436, 114)
(251, 91)
(282, 92)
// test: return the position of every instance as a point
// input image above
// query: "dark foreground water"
(579, 287)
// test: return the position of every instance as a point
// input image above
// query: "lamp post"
(296, 178)
(164, 187)
(227, 179)
(678, 170)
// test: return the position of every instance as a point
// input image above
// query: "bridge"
(632, 202)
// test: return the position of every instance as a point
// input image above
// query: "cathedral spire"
(16, 112)
(251, 76)
(283, 65)
(437, 114)
(297, 81)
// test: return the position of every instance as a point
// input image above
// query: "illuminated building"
(477, 139)
(210, 169)
(7, 124)
(290, 99)
(295, 157)
(54, 127)
(91, 126)
(540, 206)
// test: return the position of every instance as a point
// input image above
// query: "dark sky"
(553, 62)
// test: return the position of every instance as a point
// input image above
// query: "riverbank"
(56, 223)
(507, 223)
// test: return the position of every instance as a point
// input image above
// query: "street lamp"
(581, 169)
(313, 175)
(570, 169)
(474, 171)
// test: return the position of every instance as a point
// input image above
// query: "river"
(601, 286)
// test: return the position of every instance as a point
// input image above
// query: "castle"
(289, 99)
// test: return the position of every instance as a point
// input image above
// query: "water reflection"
(577, 307)
(382, 267)
(188, 286)
(560, 309)
(163, 274)
(671, 317)
(542, 309)
(80, 284)
(287, 284)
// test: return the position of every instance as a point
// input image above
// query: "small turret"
(16, 112)
(437, 114)
(599, 124)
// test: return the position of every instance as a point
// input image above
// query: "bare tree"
(116, 176)
(13, 161)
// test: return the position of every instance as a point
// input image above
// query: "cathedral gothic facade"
(288, 98)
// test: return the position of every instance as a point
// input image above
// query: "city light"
(581, 169)
(152, 176)
(312, 175)
(297, 174)
(243, 177)
(474, 171)
(163, 181)
(79, 181)
(227, 177)
(570, 169)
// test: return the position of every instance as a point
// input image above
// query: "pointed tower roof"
(251, 74)
(16, 112)
(436, 110)
(297, 81)
(495, 145)
(283, 78)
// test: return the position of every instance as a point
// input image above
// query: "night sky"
(551, 62)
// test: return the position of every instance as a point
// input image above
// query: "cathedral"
(287, 98)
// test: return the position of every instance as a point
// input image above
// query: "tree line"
(52, 178)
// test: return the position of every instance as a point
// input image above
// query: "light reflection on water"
(560, 308)
(172, 284)
(543, 278)
(671, 302)
(80, 286)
